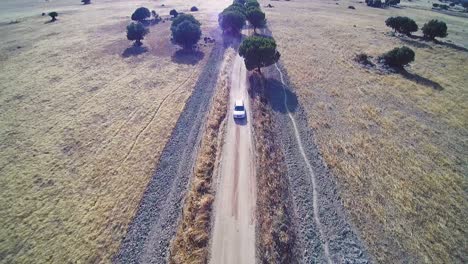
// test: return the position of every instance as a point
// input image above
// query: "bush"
(256, 17)
(398, 57)
(53, 15)
(374, 3)
(173, 13)
(435, 5)
(194, 9)
(251, 3)
(351, 7)
(404, 25)
(434, 28)
(186, 31)
(445, 7)
(141, 14)
(86, 2)
(258, 52)
(392, 2)
(241, 2)
(362, 58)
(231, 21)
(136, 31)
(154, 15)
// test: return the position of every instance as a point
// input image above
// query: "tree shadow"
(51, 21)
(421, 80)
(415, 43)
(190, 57)
(280, 96)
(451, 45)
(134, 50)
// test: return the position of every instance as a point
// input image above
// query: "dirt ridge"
(333, 231)
(155, 222)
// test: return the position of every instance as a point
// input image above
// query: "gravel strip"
(155, 223)
(343, 242)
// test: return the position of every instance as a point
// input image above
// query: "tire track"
(311, 172)
(153, 117)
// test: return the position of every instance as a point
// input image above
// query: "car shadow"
(241, 121)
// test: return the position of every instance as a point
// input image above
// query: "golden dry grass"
(190, 244)
(275, 237)
(397, 147)
(83, 123)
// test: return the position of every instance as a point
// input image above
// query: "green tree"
(53, 15)
(236, 8)
(404, 25)
(173, 13)
(186, 32)
(434, 28)
(136, 31)
(184, 17)
(256, 18)
(398, 57)
(231, 21)
(141, 14)
(251, 3)
(258, 52)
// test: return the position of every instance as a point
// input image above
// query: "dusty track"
(233, 238)
(155, 223)
(324, 234)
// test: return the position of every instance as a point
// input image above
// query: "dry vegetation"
(84, 120)
(275, 235)
(396, 144)
(190, 245)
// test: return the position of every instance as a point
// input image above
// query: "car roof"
(239, 103)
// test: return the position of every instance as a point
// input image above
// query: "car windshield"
(239, 108)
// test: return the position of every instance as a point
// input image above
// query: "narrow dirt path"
(310, 170)
(233, 238)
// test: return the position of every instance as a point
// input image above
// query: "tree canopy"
(186, 31)
(231, 21)
(53, 15)
(141, 14)
(136, 31)
(404, 25)
(434, 28)
(256, 17)
(173, 13)
(251, 3)
(258, 52)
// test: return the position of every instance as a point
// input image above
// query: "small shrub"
(86, 2)
(363, 58)
(445, 7)
(452, 4)
(351, 7)
(154, 15)
(434, 28)
(141, 14)
(194, 9)
(435, 5)
(173, 13)
(53, 15)
(398, 57)
(136, 31)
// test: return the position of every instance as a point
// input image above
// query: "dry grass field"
(397, 144)
(84, 118)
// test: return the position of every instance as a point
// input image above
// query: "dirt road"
(234, 227)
